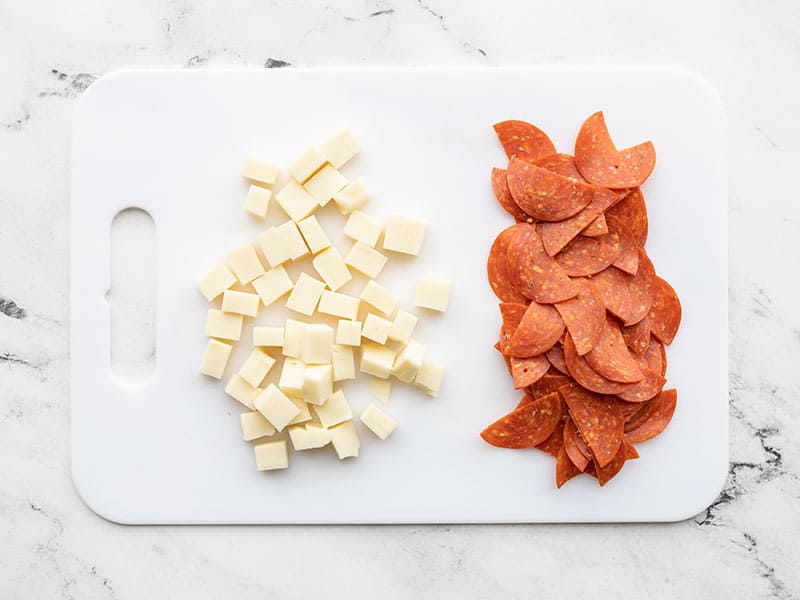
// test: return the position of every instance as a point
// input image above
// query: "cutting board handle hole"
(131, 296)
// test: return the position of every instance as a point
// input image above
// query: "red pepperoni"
(611, 358)
(497, 268)
(628, 258)
(565, 469)
(534, 273)
(641, 289)
(645, 389)
(599, 420)
(655, 357)
(601, 163)
(576, 448)
(632, 211)
(597, 227)
(523, 140)
(526, 426)
(555, 236)
(503, 195)
(637, 336)
(665, 312)
(630, 408)
(588, 255)
(553, 444)
(511, 313)
(606, 473)
(631, 452)
(584, 374)
(548, 384)
(584, 316)
(561, 164)
(614, 288)
(545, 195)
(541, 327)
(527, 371)
(653, 418)
(556, 358)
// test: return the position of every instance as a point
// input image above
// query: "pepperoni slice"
(653, 418)
(523, 140)
(588, 255)
(601, 163)
(637, 336)
(548, 384)
(576, 448)
(527, 371)
(584, 316)
(599, 420)
(497, 268)
(631, 452)
(614, 288)
(641, 289)
(611, 358)
(511, 313)
(584, 374)
(534, 273)
(555, 236)
(561, 164)
(565, 468)
(526, 426)
(606, 473)
(665, 312)
(540, 327)
(503, 195)
(655, 357)
(630, 408)
(553, 444)
(628, 257)
(632, 211)
(597, 227)
(556, 358)
(651, 385)
(545, 195)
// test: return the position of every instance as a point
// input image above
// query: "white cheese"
(404, 235)
(343, 363)
(216, 281)
(348, 333)
(216, 358)
(317, 344)
(291, 380)
(282, 243)
(313, 234)
(433, 294)
(409, 361)
(268, 336)
(317, 384)
(245, 264)
(429, 378)
(255, 426)
(240, 303)
(304, 414)
(352, 197)
(377, 360)
(377, 421)
(276, 407)
(336, 410)
(402, 327)
(376, 328)
(272, 285)
(363, 228)
(260, 171)
(271, 455)
(305, 295)
(331, 268)
(378, 296)
(238, 389)
(257, 201)
(365, 259)
(324, 184)
(338, 305)
(293, 334)
(340, 148)
(345, 440)
(256, 367)
(295, 201)
(308, 163)
(227, 326)
(305, 437)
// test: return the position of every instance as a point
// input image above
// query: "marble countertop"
(54, 546)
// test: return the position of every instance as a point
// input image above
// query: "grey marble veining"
(745, 545)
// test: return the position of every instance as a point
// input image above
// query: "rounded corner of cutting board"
(110, 512)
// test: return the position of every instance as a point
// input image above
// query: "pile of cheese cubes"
(304, 399)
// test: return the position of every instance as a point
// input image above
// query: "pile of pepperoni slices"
(584, 316)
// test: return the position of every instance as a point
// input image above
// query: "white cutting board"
(172, 142)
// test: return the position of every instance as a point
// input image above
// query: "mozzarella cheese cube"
(318, 434)
(260, 171)
(343, 363)
(432, 293)
(348, 333)
(268, 336)
(317, 384)
(377, 360)
(276, 407)
(345, 440)
(336, 410)
(408, 362)
(291, 380)
(305, 295)
(308, 163)
(378, 421)
(245, 264)
(324, 184)
(317, 344)
(256, 367)
(352, 197)
(227, 326)
(238, 389)
(240, 303)
(338, 305)
(272, 285)
(376, 328)
(313, 234)
(365, 259)
(272, 455)
(255, 426)
(307, 438)
(293, 334)
(282, 243)
(340, 148)
(216, 358)
(404, 235)
(402, 327)
(295, 201)
(378, 296)
(331, 268)
(382, 389)
(257, 201)
(429, 378)
(304, 414)
(216, 281)
(363, 228)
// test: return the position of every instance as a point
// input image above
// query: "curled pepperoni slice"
(527, 371)
(526, 426)
(645, 389)
(585, 376)
(555, 236)
(655, 357)
(540, 327)
(611, 358)
(534, 273)
(598, 419)
(628, 257)
(665, 312)
(576, 448)
(503, 195)
(511, 313)
(637, 336)
(653, 418)
(606, 473)
(548, 384)
(589, 255)
(561, 164)
(597, 227)
(497, 268)
(584, 316)
(556, 358)
(614, 288)
(544, 195)
(553, 444)
(523, 140)
(632, 211)
(601, 163)
(565, 468)
(641, 289)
